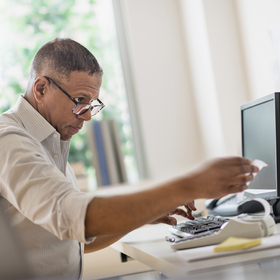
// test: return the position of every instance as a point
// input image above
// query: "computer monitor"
(260, 129)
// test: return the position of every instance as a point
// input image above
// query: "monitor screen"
(260, 139)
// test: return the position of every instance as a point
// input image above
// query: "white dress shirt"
(40, 194)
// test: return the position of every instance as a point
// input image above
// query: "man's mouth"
(74, 129)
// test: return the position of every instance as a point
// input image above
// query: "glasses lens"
(80, 109)
(96, 109)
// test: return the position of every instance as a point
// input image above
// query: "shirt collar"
(32, 120)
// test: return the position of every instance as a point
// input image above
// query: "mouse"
(250, 206)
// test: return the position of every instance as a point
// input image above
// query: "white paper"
(207, 252)
(260, 164)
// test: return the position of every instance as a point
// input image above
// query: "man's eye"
(79, 99)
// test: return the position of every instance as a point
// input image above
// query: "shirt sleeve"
(38, 189)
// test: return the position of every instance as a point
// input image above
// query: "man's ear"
(40, 88)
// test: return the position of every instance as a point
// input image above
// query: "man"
(39, 191)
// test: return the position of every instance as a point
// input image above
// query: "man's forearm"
(117, 215)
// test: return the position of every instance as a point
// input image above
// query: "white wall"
(258, 18)
(167, 113)
(215, 59)
(193, 65)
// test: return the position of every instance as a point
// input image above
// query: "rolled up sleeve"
(38, 189)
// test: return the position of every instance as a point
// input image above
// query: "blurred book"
(107, 157)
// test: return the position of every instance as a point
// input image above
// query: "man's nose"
(86, 116)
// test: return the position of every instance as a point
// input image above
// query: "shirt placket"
(56, 152)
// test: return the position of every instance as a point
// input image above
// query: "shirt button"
(55, 136)
(55, 155)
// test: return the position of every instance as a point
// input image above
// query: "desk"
(147, 245)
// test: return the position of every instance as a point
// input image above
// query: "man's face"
(56, 107)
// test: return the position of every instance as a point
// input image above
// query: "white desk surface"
(147, 245)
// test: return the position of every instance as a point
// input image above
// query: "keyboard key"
(199, 226)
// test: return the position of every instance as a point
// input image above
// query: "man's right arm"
(118, 215)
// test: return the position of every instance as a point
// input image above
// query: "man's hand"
(222, 176)
(168, 219)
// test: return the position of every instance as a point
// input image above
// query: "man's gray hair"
(61, 56)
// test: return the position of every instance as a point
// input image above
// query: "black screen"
(259, 141)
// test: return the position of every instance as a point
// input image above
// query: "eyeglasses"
(81, 108)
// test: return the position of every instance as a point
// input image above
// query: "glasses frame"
(101, 104)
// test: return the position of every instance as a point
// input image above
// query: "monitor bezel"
(275, 97)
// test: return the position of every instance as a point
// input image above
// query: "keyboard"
(217, 230)
(199, 226)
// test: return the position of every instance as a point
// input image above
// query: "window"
(26, 25)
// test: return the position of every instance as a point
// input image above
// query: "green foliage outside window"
(28, 24)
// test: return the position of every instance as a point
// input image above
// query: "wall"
(193, 63)
(258, 19)
(166, 110)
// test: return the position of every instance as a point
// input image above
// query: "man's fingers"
(191, 206)
(237, 161)
(237, 188)
(244, 169)
(183, 213)
(240, 165)
(179, 211)
(169, 220)
(239, 183)
(189, 214)
(166, 220)
(241, 179)
(249, 169)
